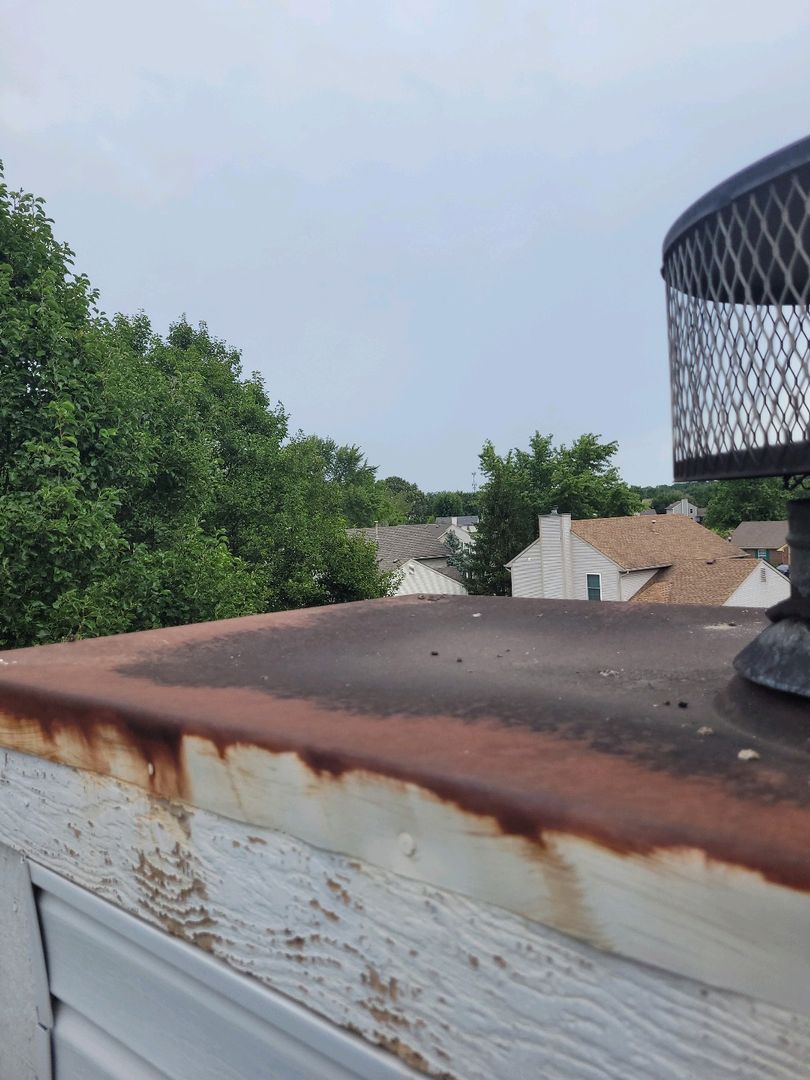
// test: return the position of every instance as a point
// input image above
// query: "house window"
(594, 582)
(762, 553)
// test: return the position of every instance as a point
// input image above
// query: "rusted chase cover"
(615, 723)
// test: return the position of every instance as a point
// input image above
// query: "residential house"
(420, 554)
(687, 509)
(765, 540)
(469, 522)
(663, 559)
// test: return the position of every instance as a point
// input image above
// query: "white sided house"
(666, 559)
(419, 554)
(687, 509)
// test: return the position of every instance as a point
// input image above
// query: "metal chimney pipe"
(780, 656)
(737, 269)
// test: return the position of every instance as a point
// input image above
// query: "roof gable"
(767, 535)
(398, 543)
(695, 581)
(535, 544)
(641, 543)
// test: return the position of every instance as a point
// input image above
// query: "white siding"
(630, 583)
(419, 578)
(462, 533)
(551, 546)
(133, 1002)
(543, 571)
(436, 961)
(684, 507)
(760, 590)
(587, 560)
(527, 577)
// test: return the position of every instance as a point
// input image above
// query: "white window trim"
(600, 585)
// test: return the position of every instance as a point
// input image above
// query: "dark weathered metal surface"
(780, 656)
(619, 723)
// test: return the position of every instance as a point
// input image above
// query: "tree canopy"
(733, 501)
(579, 479)
(659, 496)
(144, 481)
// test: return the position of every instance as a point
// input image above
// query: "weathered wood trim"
(455, 986)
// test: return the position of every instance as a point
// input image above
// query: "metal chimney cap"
(737, 271)
(740, 183)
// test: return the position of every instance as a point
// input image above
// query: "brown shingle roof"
(451, 572)
(640, 543)
(768, 535)
(694, 581)
(696, 566)
(398, 543)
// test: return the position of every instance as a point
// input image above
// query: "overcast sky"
(425, 222)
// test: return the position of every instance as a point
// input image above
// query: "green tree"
(733, 501)
(410, 505)
(586, 483)
(660, 496)
(503, 526)
(57, 506)
(460, 555)
(579, 479)
(145, 481)
(446, 504)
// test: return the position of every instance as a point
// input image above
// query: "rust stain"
(339, 891)
(385, 1016)
(513, 738)
(407, 1054)
(332, 916)
(383, 989)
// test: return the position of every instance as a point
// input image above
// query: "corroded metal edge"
(522, 752)
(536, 714)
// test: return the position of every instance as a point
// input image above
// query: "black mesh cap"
(737, 270)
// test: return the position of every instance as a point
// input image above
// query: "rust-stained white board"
(449, 985)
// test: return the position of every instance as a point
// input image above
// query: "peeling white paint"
(455, 985)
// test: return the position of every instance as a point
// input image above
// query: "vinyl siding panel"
(629, 584)
(417, 577)
(759, 593)
(551, 546)
(526, 573)
(132, 1003)
(587, 560)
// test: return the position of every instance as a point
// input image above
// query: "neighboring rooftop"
(696, 581)
(767, 535)
(463, 520)
(398, 543)
(644, 542)
(694, 565)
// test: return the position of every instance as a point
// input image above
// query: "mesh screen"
(738, 289)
